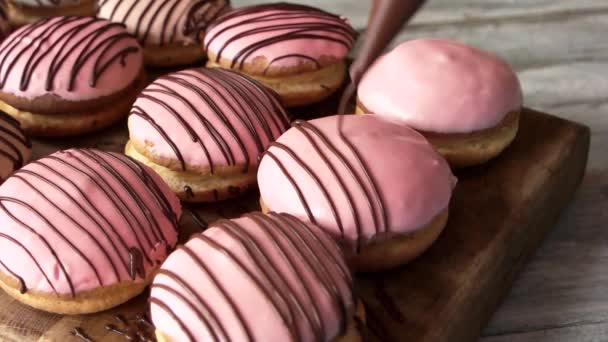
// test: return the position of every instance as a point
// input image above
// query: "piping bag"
(386, 19)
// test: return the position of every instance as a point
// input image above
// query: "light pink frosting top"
(72, 221)
(256, 278)
(70, 57)
(207, 118)
(284, 34)
(380, 179)
(441, 86)
(162, 22)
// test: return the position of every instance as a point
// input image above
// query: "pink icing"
(67, 38)
(412, 180)
(83, 207)
(334, 36)
(203, 98)
(161, 22)
(441, 86)
(296, 270)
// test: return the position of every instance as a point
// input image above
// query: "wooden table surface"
(560, 51)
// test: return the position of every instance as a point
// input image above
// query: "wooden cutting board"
(499, 214)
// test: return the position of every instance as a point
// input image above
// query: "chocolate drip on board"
(12, 142)
(94, 47)
(340, 167)
(111, 242)
(81, 335)
(198, 16)
(245, 98)
(300, 248)
(136, 329)
(333, 28)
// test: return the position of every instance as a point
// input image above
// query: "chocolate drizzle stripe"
(213, 278)
(321, 26)
(315, 178)
(27, 251)
(110, 193)
(293, 183)
(270, 282)
(320, 240)
(315, 321)
(298, 248)
(151, 186)
(190, 306)
(87, 213)
(197, 15)
(317, 138)
(245, 99)
(141, 205)
(22, 176)
(22, 287)
(306, 237)
(212, 323)
(110, 243)
(377, 194)
(48, 224)
(174, 317)
(46, 244)
(93, 45)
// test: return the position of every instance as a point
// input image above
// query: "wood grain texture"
(560, 51)
(499, 214)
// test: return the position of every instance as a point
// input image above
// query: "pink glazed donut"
(202, 131)
(255, 278)
(378, 188)
(296, 50)
(171, 31)
(69, 75)
(464, 100)
(22, 12)
(82, 231)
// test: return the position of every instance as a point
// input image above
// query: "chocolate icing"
(220, 82)
(15, 141)
(79, 162)
(386, 19)
(312, 30)
(280, 229)
(200, 14)
(92, 42)
(320, 143)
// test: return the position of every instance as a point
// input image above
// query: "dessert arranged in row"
(371, 191)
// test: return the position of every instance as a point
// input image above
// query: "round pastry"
(15, 147)
(69, 75)
(378, 188)
(256, 278)
(202, 131)
(170, 31)
(296, 50)
(465, 101)
(22, 12)
(82, 231)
